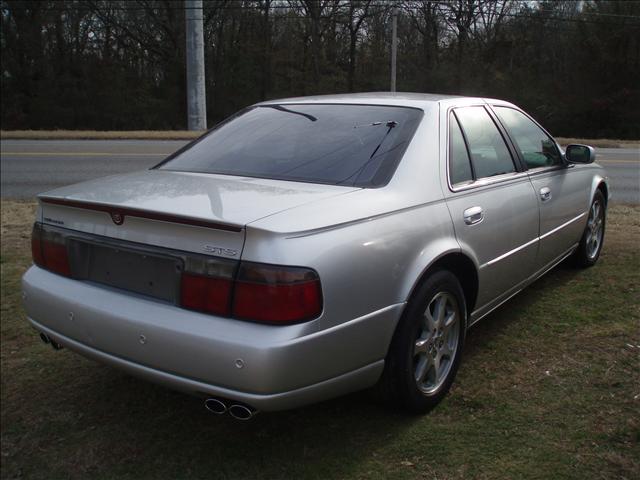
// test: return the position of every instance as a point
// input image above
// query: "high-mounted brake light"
(49, 250)
(276, 294)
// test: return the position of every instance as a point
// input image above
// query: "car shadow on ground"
(497, 321)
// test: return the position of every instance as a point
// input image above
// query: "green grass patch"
(549, 387)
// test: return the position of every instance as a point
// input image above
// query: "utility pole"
(196, 94)
(394, 47)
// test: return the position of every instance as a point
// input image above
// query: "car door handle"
(473, 215)
(545, 194)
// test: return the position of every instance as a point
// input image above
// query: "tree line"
(117, 65)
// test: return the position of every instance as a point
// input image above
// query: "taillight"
(36, 245)
(272, 294)
(276, 294)
(49, 250)
(206, 285)
(205, 294)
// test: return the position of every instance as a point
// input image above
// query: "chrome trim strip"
(551, 232)
(536, 276)
(510, 252)
(531, 242)
(553, 263)
(498, 305)
(486, 181)
(546, 169)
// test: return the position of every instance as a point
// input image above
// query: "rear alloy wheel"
(437, 342)
(426, 347)
(590, 246)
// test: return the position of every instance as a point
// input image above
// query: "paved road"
(28, 167)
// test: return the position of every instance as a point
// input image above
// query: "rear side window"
(459, 164)
(536, 147)
(489, 154)
(354, 145)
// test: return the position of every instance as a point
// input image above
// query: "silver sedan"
(310, 247)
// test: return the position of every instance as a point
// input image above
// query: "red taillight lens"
(205, 294)
(36, 245)
(56, 258)
(206, 284)
(49, 250)
(278, 295)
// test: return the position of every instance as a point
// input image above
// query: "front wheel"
(427, 345)
(590, 246)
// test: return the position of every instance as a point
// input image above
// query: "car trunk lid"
(194, 212)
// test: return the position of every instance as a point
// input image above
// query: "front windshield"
(353, 145)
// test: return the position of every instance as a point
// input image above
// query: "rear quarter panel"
(363, 266)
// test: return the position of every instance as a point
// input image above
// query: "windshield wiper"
(287, 110)
(390, 124)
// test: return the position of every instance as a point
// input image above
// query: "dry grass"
(16, 220)
(549, 388)
(98, 135)
(187, 135)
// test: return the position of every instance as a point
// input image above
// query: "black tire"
(398, 384)
(586, 255)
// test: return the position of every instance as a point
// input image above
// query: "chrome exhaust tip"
(215, 406)
(242, 412)
(44, 338)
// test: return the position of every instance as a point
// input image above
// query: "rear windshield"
(354, 145)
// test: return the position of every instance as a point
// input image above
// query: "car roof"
(404, 99)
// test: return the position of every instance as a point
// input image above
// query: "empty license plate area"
(143, 272)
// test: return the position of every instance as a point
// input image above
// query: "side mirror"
(580, 154)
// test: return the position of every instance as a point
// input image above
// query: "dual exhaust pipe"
(50, 341)
(236, 410)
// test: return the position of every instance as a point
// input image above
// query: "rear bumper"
(281, 367)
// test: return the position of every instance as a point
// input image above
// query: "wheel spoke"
(446, 351)
(450, 321)
(436, 368)
(429, 322)
(422, 368)
(439, 307)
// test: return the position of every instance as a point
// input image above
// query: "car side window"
(489, 154)
(536, 147)
(459, 164)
